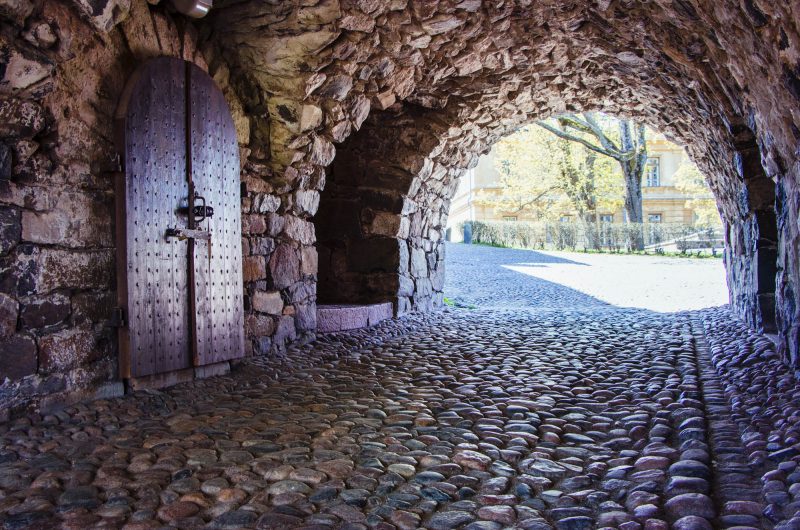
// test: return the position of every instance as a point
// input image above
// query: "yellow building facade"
(662, 201)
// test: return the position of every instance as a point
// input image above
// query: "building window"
(509, 218)
(654, 217)
(607, 218)
(565, 219)
(652, 172)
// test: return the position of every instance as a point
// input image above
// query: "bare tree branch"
(574, 121)
(616, 155)
(534, 200)
(605, 141)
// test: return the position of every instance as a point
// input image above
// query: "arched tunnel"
(159, 374)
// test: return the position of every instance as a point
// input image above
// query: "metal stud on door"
(178, 222)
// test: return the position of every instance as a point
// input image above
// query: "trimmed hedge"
(614, 237)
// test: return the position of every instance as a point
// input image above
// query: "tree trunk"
(633, 193)
(632, 171)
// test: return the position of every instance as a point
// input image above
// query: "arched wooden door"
(179, 273)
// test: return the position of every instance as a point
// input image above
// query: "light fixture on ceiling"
(193, 8)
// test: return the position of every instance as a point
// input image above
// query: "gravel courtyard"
(481, 275)
(541, 399)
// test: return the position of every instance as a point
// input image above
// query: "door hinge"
(117, 319)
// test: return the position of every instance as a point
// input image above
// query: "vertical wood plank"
(153, 128)
(215, 174)
(201, 280)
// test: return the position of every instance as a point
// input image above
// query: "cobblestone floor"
(557, 411)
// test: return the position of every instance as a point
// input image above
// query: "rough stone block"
(285, 333)
(10, 229)
(309, 263)
(56, 269)
(419, 263)
(18, 10)
(5, 162)
(104, 14)
(259, 325)
(17, 357)
(262, 346)
(379, 312)
(69, 348)
(93, 306)
(306, 202)
(274, 224)
(403, 305)
(47, 311)
(424, 288)
(303, 291)
(255, 224)
(328, 319)
(305, 317)
(253, 268)
(9, 311)
(270, 303)
(262, 246)
(385, 224)
(342, 317)
(77, 220)
(284, 266)
(23, 67)
(310, 117)
(299, 230)
(265, 203)
(406, 286)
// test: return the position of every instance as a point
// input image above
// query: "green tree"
(543, 176)
(628, 148)
(529, 178)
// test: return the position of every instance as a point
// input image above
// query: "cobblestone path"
(564, 413)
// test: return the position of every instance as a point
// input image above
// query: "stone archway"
(448, 79)
(382, 216)
(422, 87)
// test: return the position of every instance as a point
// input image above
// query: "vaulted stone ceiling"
(441, 81)
(722, 62)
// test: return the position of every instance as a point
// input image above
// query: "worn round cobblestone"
(559, 414)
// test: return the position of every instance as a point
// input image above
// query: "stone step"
(343, 317)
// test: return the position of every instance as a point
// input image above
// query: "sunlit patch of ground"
(663, 284)
(497, 277)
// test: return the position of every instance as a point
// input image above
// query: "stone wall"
(412, 92)
(64, 66)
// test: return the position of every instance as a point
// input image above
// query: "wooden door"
(216, 264)
(178, 222)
